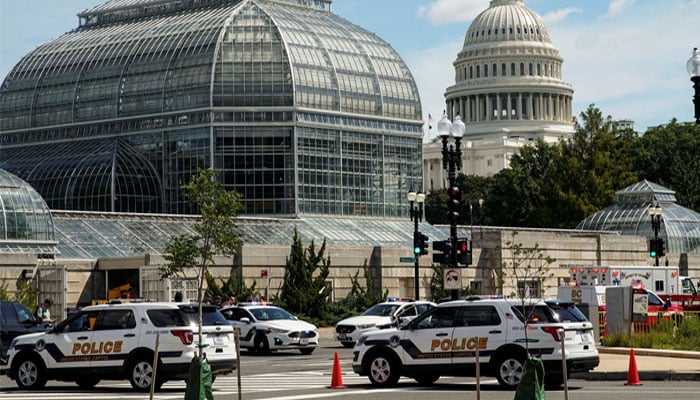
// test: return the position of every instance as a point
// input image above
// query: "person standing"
(43, 311)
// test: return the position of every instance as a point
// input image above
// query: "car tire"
(140, 373)
(306, 352)
(510, 369)
(426, 380)
(384, 369)
(348, 345)
(31, 373)
(261, 344)
(87, 383)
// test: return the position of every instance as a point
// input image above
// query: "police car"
(117, 341)
(444, 342)
(269, 328)
(378, 316)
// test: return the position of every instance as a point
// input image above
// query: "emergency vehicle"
(449, 339)
(664, 281)
(117, 342)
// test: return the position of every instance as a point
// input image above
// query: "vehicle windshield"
(270, 313)
(382, 310)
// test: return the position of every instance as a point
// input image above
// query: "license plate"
(303, 341)
(218, 341)
(342, 336)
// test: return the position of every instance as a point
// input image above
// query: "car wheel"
(87, 382)
(261, 344)
(30, 374)
(141, 374)
(306, 352)
(426, 380)
(383, 370)
(348, 345)
(510, 370)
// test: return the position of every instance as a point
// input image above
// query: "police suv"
(117, 341)
(445, 340)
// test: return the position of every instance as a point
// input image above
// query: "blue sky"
(625, 56)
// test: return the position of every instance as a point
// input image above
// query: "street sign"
(407, 259)
(452, 278)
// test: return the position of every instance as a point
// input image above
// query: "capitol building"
(508, 90)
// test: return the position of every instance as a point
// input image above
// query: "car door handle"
(495, 332)
(82, 337)
(442, 334)
(129, 335)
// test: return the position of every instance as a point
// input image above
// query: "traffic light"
(420, 244)
(464, 251)
(454, 203)
(653, 248)
(441, 251)
(660, 247)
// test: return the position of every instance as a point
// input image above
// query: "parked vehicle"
(15, 320)
(380, 315)
(113, 341)
(269, 328)
(444, 341)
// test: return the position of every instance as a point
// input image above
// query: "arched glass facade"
(302, 111)
(680, 227)
(24, 216)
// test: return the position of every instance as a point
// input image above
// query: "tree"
(305, 289)
(215, 233)
(558, 185)
(667, 155)
(473, 188)
(527, 269)
(362, 297)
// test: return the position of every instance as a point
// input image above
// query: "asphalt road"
(292, 376)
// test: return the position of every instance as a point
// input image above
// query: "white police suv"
(444, 342)
(117, 341)
(380, 315)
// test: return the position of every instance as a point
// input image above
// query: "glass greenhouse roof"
(94, 235)
(680, 227)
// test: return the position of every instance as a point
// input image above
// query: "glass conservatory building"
(26, 225)
(302, 111)
(680, 227)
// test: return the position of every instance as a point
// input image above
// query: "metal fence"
(652, 321)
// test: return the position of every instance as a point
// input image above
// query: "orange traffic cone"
(337, 378)
(633, 374)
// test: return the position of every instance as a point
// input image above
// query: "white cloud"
(560, 14)
(442, 12)
(617, 6)
(433, 71)
(632, 66)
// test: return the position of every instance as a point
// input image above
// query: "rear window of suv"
(166, 317)
(210, 315)
(550, 313)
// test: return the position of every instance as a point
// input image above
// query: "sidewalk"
(651, 365)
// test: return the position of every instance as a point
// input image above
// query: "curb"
(669, 375)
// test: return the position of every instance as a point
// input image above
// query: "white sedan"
(268, 328)
(381, 315)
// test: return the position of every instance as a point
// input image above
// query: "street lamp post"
(452, 162)
(416, 216)
(693, 67)
(655, 213)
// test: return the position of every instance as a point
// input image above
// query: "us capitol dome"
(508, 91)
(302, 111)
